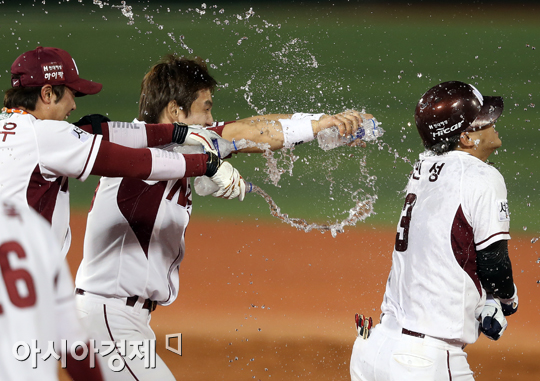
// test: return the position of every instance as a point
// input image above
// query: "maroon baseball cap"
(50, 66)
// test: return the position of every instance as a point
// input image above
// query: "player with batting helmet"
(451, 276)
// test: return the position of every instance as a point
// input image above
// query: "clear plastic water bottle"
(224, 147)
(330, 138)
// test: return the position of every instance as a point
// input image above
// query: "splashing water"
(393, 152)
(125, 9)
(359, 212)
(99, 3)
(293, 52)
(290, 54)
(248, 94)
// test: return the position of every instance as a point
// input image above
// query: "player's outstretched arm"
(278, 130)
(113, 160)
(141, 135)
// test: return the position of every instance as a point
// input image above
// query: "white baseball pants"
(390, 355)
(110, 319)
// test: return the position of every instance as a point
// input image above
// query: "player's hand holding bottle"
(226, 177)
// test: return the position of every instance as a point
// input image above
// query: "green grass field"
(289, 58)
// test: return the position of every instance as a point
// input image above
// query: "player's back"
(433, 287)
(18, 155)
(29, 262)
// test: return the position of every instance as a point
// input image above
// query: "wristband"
(180, 132)
(298, 129)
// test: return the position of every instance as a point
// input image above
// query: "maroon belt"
(412, 333)
(148, 304)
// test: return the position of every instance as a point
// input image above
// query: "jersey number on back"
(17, 281)
(402, 236)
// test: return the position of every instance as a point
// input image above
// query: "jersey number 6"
(13, 277)
(402, 236)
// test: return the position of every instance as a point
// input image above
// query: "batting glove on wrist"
(492, 321)
(510, 306)
(192, 136)
(226, 177)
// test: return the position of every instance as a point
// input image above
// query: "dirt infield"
(260, 300)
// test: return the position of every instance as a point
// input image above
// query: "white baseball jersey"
(455, 205)
(36, 295)
(134, 239)
(36, 157)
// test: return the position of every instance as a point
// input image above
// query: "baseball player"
(37, 307)
(39, 151)
(451, 275)
(134, 241)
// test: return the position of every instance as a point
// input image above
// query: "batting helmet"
(452, 107)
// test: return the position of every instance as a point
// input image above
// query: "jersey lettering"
(402, 236)
(184, 192)
(14, 279)
(8, 130)
(416, 171)
(435, 171)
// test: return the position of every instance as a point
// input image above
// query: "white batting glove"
(231, 184)
(201, 136)
(492, 320)
(510, 306)
(194, 136)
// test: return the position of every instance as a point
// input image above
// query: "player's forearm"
(495, 270)
(267, 129)
(114, 160)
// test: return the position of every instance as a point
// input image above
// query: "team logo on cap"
(53, 71)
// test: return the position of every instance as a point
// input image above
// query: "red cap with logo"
(50, 66)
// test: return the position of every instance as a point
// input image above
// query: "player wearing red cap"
(39, 151)
(451, 275)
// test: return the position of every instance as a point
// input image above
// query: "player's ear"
(46, 94)
(170, 112)
(465, 140)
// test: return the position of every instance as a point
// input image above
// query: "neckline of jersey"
(14, 111)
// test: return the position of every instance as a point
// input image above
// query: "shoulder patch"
(80, 134)
(502, 210)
